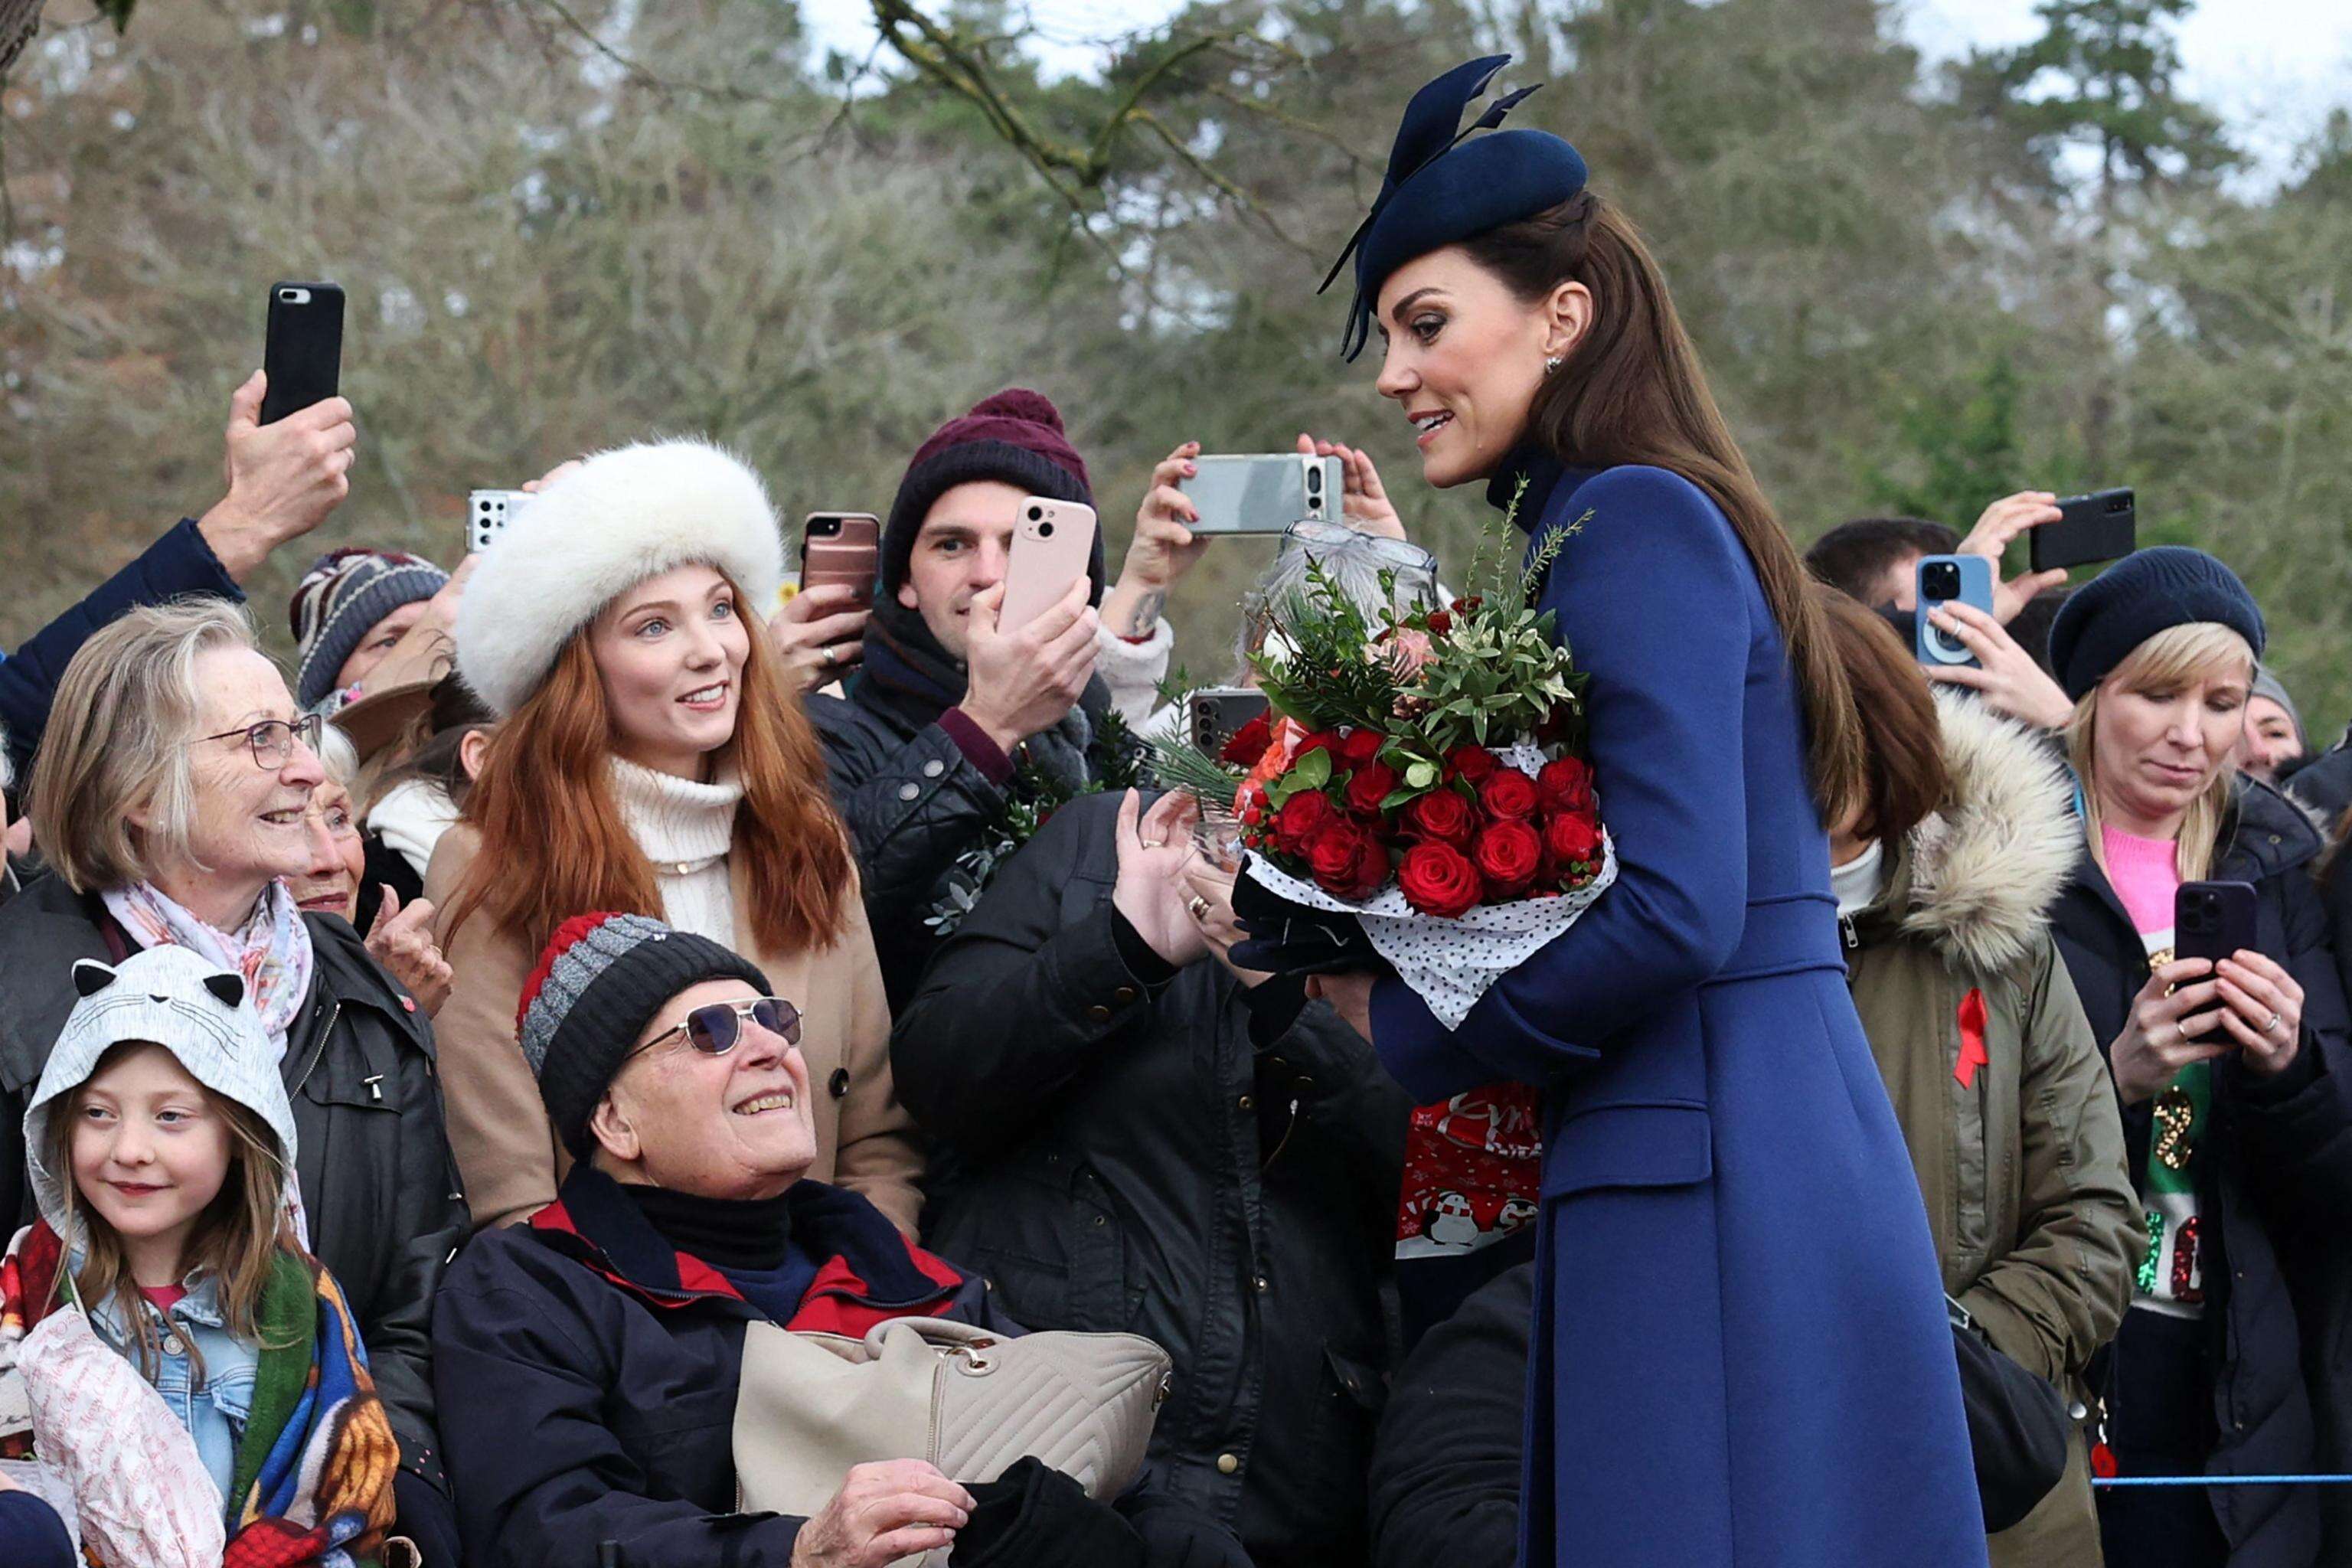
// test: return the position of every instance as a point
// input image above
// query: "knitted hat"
(340, 600)
(170, 997)
(2268, 685)
(601, 981)
(1014, 437)
(621, 517)
(2147, 592)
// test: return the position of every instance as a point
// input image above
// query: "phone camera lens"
(1314, 481)
(1036, 512)
(1943, 581)
(1045, 531)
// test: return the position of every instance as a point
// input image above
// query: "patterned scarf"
(273, 951)
(315, 1467)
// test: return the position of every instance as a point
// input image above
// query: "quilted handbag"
(968, 1400)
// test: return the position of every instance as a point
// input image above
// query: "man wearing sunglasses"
(588, 1363)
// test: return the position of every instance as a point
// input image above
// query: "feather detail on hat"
(1503, 179)
(621, 517)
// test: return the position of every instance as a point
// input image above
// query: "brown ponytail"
(1631, 391)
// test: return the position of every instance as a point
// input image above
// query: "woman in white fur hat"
(651, 758)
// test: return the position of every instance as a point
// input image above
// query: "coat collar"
(867, 1271)
(1545, 475)
(1977, 880)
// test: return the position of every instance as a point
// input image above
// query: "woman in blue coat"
(1740, 1353)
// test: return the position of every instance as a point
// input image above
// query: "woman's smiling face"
(1463, 357)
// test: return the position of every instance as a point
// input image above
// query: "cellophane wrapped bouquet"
(1421, 772)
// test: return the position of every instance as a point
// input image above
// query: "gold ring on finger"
(1200, 907)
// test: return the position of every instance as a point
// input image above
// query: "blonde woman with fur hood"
(1945, 881)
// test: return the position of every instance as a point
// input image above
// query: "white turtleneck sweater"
(684, 828)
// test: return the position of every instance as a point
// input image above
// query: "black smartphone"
(2100, 526)
(304, 354)
(1218, 712)
(2213, 920)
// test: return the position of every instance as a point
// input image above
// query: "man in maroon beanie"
(946, 716)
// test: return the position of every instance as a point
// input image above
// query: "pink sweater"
(2145, 873)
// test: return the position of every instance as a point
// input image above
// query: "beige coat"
(2023, 1168)
(508, 1154)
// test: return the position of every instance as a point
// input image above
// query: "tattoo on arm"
(1145, 613)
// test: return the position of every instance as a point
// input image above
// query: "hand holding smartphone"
(304, 352)
(1262, 492)
(1941, 580)
(1053, 545)
(2100, 526)
(840, 548)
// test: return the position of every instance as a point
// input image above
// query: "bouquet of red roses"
(1423, 774)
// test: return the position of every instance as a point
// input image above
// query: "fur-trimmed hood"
(1978, 878)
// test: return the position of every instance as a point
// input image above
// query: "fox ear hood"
(165, 996)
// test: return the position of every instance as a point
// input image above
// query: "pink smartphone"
(1052, 541)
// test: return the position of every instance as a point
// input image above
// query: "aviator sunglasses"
(717, 1027)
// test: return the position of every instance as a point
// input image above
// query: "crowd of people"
(424, 1083)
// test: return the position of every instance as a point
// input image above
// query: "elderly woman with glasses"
(171, 800)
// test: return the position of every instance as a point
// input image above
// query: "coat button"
(175, 1345)
(1123, 995)
(934, 768)
(838, 1084)
(909, 791)
(1245, 1103)
(1263, 1284)
(1098, 1014)
(1229, 1464)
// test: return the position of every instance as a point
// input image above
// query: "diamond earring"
(1551, 364)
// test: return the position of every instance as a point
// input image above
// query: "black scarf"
(908, 671)
(726, 1233)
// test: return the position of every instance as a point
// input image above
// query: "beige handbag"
(969, 1401)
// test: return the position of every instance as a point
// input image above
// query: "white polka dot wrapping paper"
(1450, 963)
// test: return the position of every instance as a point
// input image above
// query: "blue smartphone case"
(1932, 646)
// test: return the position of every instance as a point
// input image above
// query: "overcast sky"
(2272, 67)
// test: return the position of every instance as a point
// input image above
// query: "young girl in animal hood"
(164, 1317)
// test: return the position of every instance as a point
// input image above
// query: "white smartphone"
(1264, 492)
(1052, 542)
(488, 512)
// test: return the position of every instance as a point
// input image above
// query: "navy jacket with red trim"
(586, 1374)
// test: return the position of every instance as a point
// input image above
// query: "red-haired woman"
(651, 758)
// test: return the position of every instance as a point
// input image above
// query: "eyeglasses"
(717, 1027)
(272, 741)
(1321, 538)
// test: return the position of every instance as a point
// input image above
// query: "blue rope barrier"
(2222, 1481)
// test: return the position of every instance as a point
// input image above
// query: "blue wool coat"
(1741, 1355)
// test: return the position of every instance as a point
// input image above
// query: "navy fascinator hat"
(1442, 187)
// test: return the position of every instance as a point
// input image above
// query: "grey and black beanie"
(600, 982)
(338, 602)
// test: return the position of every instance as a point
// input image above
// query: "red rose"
(1347, 862)
(1472, 763)
(1359, 745)
(1569, 838)
(1507, 854)
(1248, 744)
(1320, 740)
(1367, 786)
(1440, 623)
(1508, 796)
(1302, 816)
(1438, 880)
(1565, 784)
(1441, 816)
